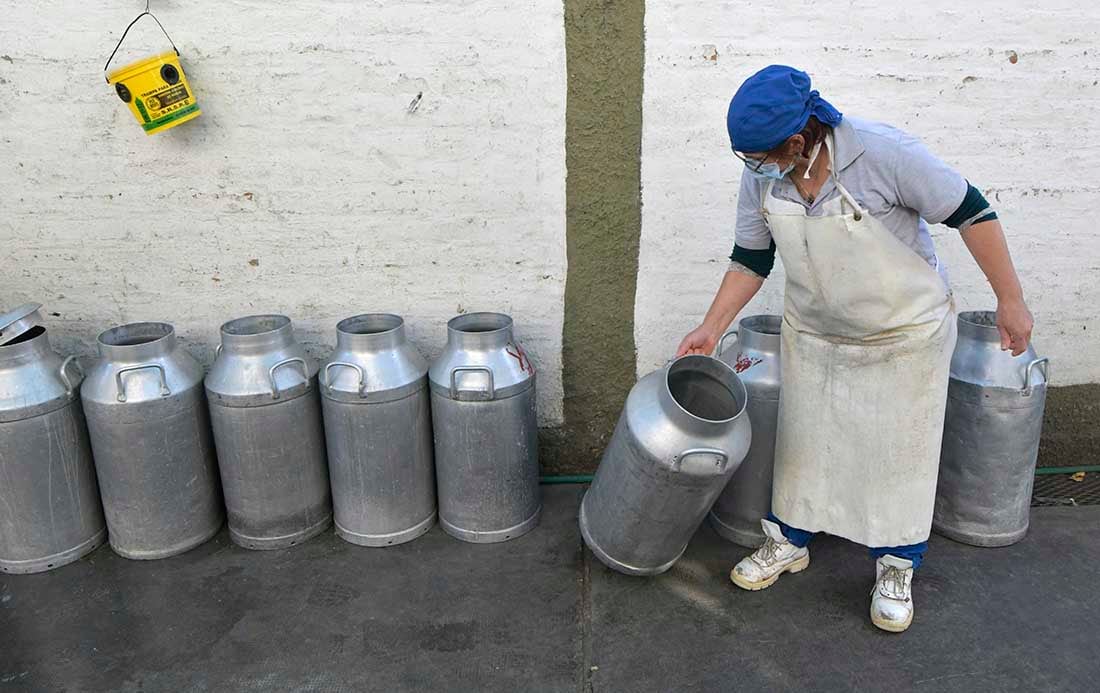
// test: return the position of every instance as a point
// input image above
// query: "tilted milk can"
(50, 513)
(990, 437)
(266, 414)
(486, 434)
(150, 432)
(681, 436)
(747, 498)
(379, 431)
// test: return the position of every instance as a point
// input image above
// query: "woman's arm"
(751, 260)
(738, 287)
(986, 242)
(932, 188)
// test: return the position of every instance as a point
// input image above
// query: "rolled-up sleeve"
(925, 183)
(753, 248)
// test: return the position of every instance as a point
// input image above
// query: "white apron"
(868, 332)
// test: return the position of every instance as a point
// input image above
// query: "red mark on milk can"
(521, 356)
(743, 363)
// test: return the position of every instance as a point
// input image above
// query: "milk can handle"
(164, 391)
(723, 458)
(131, 24)
(722, 341)
(271, 373)
(362, 375)
(1042, 363)
(63, 372)
(471, 369)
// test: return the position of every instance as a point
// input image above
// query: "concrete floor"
(540, 614)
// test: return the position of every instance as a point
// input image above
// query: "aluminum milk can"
(379, 431)
(50, 513)
(681, 436)
(266, 415)
(748, 496)
(486, 435)
(150, 432)
(990, 437)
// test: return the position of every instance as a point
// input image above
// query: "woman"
(868, 325)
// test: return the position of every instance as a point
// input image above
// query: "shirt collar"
(848, 145)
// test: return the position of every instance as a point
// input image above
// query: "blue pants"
(800, 537)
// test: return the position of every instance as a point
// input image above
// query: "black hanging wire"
(128, 26)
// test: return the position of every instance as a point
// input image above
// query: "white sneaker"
(892, 597)
(764, 566)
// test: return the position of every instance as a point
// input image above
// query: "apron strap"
(764, 200)
(847, 197)
(844, 194)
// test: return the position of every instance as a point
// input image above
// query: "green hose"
(566, 479)
(587, 478)
(1043, 471)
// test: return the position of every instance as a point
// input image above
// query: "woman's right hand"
(702, 340)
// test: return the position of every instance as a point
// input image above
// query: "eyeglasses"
(750, 163)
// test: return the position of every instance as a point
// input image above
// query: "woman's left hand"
(1014, 322)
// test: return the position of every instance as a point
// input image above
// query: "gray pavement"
(541, 614)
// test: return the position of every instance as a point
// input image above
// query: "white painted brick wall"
(305, 187)
(1024, 132)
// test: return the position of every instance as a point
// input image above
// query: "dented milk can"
(379, 431)
(486, 434)
(991, 434)
(150, 432)
(681, 436)
(154, 88)
(266, 415)
(50, 513)
(747, 498)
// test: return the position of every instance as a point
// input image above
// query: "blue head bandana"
(772, 105)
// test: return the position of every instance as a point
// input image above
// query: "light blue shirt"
(890, 173)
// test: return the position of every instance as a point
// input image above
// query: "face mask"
(769, 171)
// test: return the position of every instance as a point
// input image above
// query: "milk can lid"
(16, 322)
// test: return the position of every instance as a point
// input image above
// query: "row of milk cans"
(145, 450)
